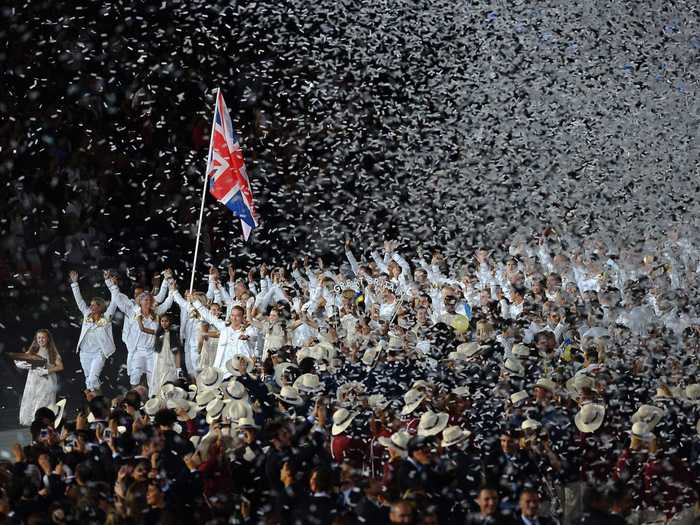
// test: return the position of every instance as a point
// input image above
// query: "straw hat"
(461, 391)
(546, 384)
(377, 401)
(341, 420)
(469, 349)
(517, 397)
(642, 431)
(663, 394)
(214, 410)
(519, 350)
(452, 436)
(692, 393)
(204, 397)
(590, 417)
(280, 370)
(370, 356)
(432, 423)
(210, 377)
(648, 414)
(177, 404)
(576, 384)
(245, 423)
(232, 365)
(153, 405)
(412, 399)
(289, 395)
(235, 410)
(514, 367)
(236, 390)
(398, 441)
(530, 424)
(308, 384)
(170, 391)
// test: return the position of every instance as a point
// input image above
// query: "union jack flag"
(228, 180)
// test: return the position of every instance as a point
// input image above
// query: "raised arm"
(354, 265)
(208, 317)
(76, 293)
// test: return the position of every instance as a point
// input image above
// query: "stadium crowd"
(559, 384)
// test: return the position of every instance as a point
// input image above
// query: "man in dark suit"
(528, 512)
(488, 509)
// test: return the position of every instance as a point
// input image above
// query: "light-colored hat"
(235, 410)
(432, 423)
(170, 391)
(58, 409)
(153, 405)
(341, 420)
(692, 393)
(236, 390)
(344, 390)
(649, 415)
(530, 424)
(514, 367)
(204, 397)
(663, 393)
(519, 396)
(576, 384)
(520, 350)
(177, 404)
(210, 377)
(214, 410)
(281, 370)
(590, 417)
(246, 422)
(232, 364)
(377, 401)
(545, 383)
(369, 358)
(289, 395)
(642, 431)
(421, 385)
(461, 391)
(308, 384)
(398, 441)
(412, 399)
(454, 435)
(469, 349)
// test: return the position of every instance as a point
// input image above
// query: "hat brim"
(441, 425)
(592, 426)
(340, 428)
(462, 438)
(296, 401)
(408, 409)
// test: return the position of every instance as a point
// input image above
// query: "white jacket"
(132, 310)
(103, 327)
(229, 342)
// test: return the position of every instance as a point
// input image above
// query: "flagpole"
(204, 194)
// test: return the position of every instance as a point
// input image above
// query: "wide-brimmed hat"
(171, 391)
(377, 401)
(58, 409)
(232, 364)
(209, 378)
(520, 351)
(530, 424)
(236, 409)
(648, 414)
(153, 405)
(514, 367)
(235, 390)
(245, 423)
(590, 417)
(280, 370)
(692, 393)
(214, 410)
(642, 431)
(454, 435)
(578, 383)
(342, 418)
(663, 393)
(178, 404)
(517, 397)
(370, 356)
(412, 399)
(546, 384)
(204, 397)
(461, 391)
(432, 423)
(350, 387)
(308, 384)
(469, 349)
(398, 441)
(290, 395)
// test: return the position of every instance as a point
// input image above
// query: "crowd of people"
(558, 384)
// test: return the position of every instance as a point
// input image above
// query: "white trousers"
(92, 361)
(192, 360)
(141, 363)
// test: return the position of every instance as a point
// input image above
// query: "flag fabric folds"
(228, 180)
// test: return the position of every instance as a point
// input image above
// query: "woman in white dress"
(167, 365)
(42, 383)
